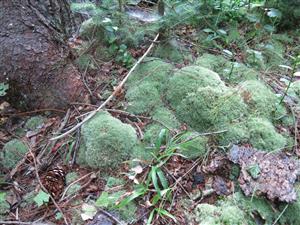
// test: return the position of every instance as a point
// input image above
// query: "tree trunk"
(35, 59)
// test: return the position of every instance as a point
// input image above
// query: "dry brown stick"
(93, 113)
(74, 182)
(43, 187)
(15, 222)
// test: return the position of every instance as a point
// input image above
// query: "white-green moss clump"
(143, 98)
(34, 123)
(188, 80)
(259, 132)
(211, 108)
(260, 99)
(107, 142)
(13, 152)
(222, 214)
(263, 135)
(151, 70)
(231, 72)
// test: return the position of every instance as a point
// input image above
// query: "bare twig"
(74, 182)
(15, 222)
(93, 113)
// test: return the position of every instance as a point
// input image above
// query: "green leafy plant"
(3, 89)
(41, 198)
(156, 184)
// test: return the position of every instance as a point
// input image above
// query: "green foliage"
(13, 152)
(41, 198)
(192, 145)
(173, 51)
(294, 90)
(3, 89)
(106, 141)
(34, 123)
(143, 98)
(109, 200)
(113, 182)
(4, 205)
(188, 80)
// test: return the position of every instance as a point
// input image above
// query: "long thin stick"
(93, 113)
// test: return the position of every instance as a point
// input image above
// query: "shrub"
(106, 141)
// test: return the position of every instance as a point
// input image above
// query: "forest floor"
(42, 181)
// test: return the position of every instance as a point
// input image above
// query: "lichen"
(143, 98)
(188, 80)
(260, 99)
(106, 141)
(263, 135)
(13, 152)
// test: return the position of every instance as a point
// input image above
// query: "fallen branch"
(93, 113)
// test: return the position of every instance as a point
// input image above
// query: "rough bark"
(34, 56)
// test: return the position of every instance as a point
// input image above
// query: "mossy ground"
(107, 142)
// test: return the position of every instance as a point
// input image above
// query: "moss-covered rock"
(211, 108)
(294, 90)
(213, 62)
(188, 80)
(143, 98)
(263, 135)
(196, 109)
(166, 117)
(13, 152)
(260, 99)
(231, 72)
(237, 133)
(106, 141)
(34, 123)
(225, 214)
(151, 70)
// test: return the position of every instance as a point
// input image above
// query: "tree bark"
(35, 59)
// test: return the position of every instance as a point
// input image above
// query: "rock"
(269, 174)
